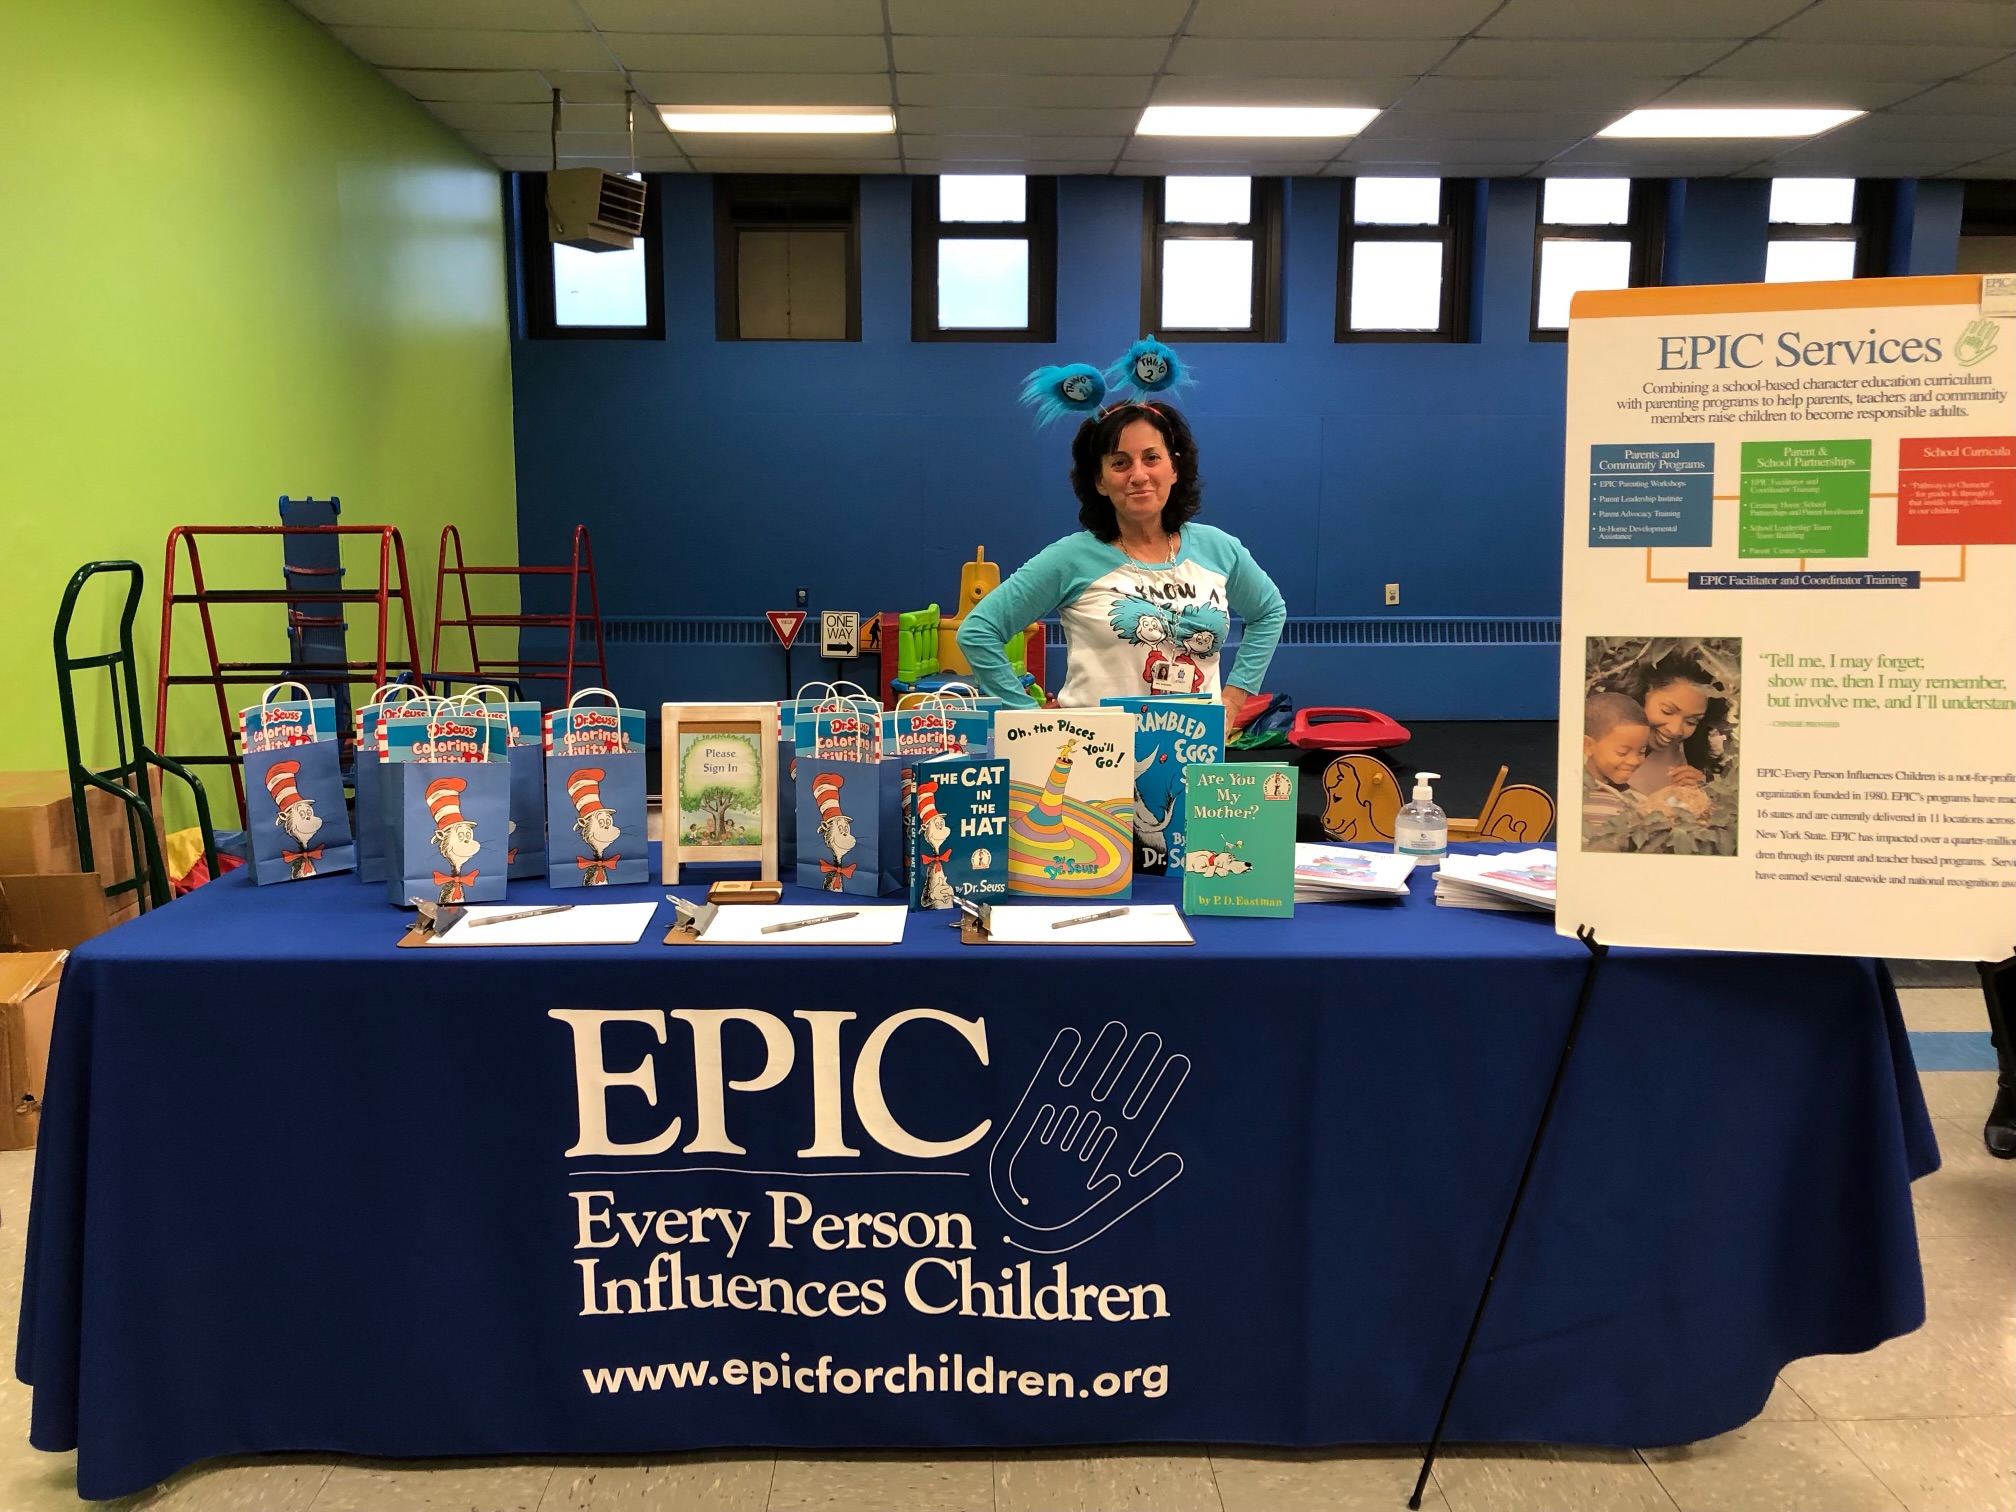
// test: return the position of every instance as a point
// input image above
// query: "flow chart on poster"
(1788, 681)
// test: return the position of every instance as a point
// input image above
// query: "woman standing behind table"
(1145, 595)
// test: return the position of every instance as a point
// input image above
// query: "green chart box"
(1804, 499)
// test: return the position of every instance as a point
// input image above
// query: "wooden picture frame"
(690, 829)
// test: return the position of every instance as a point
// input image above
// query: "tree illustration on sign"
(720, 777)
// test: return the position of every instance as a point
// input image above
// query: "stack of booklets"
(1339, 874)
(1518, 881)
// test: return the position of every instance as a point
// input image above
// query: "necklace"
(1173, 540)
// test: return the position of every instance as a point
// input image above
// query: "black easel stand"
(1597, 952)
(1998, 984)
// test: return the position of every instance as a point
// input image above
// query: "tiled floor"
(1925, 1423)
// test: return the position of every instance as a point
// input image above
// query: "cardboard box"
(28, 981)
(57, 912)
(38, 833)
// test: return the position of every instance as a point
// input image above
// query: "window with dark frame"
(983, 258)
(1821, 229)
(1988, 227)
(1403, 259)
(1593, 234)
(564, 293)
(1211, 258)
(787, 257)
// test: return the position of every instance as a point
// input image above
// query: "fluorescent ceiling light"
(1727, 123)
(1252, 121)
(811, 120)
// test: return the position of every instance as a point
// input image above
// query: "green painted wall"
(235, 263)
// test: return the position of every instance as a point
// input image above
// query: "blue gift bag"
(595, 795)
(850, 808)
(790, 713)
(447, 796)
(368, 775)
(295, 816)
(525, 856)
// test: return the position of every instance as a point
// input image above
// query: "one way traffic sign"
(786, 623)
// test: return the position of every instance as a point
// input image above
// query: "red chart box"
(1956, 491)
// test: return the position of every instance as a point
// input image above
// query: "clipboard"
(421, 936)
(977, 921)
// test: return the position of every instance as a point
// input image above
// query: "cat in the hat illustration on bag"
(933, 851)
(836, 831)
(454, 837)
(297, 818)
(595, 823)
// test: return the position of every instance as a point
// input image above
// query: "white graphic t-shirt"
(1132, 629)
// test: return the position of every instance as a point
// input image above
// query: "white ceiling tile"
(1363, 20)
(465, 115)
(828, 18)
(1502, 149)
(1995, 73)
(1497, 58)
(460, 15)
(1029, 55)
(1963, 98)
(521, 85)
(1841, 94)
(1598, 92)
(603, 86)
(794, 165)
(1025, 91)
(1305, 59)
(1400, 126)
(1257, 167)
(2003, 165)
(1005, 149)
(656, 52)
(1644, 20)
(1310, 154)
(1020, 165)
(1037, 18)
(1991, 23)
(1494, 168)
(1997, 132)
(619, 163)
(764, 89)
(1849, 60)
(432, 47)
(948, 121)
(731, 145)
(519, 162)
(1211, 89)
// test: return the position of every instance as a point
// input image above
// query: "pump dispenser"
(1422, 829)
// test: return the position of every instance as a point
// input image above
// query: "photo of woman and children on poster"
(1659, 737)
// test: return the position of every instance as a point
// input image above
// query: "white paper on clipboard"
(1141, 924)
(742, 924)
(583, 924)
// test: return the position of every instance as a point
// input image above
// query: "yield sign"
(786, 623)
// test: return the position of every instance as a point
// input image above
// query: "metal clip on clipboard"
(975, 922)
(693, 920)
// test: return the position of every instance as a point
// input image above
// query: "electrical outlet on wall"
(1392, 593)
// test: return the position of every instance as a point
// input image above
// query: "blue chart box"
(1652, 495)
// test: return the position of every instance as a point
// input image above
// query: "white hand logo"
(1050, 1163)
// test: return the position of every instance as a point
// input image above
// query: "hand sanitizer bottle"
(1422, 829)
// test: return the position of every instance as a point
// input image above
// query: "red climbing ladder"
(583, 612)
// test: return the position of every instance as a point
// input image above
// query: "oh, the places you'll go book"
(1070, 800)
(1239, 839)
(1169, 734)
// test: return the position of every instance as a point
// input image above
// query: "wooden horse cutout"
(1361, 800)
(1521, 813)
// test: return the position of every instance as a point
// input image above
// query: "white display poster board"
(1788, 626)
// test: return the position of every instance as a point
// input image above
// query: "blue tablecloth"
(300, 1191)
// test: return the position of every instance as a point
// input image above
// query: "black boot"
(1998, 986)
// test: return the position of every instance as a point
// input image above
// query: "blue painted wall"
(718, 477)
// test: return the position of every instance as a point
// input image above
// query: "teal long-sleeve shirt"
(1131, 628)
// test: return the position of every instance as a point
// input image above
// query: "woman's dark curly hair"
(1098, 436)
(1674, 667)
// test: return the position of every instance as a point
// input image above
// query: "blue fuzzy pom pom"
(1054, 392)
(1148, 368)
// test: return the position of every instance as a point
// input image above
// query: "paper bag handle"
(614, 701)
(267, 697)
(411, 690)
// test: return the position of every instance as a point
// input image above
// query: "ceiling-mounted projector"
(593, 210)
